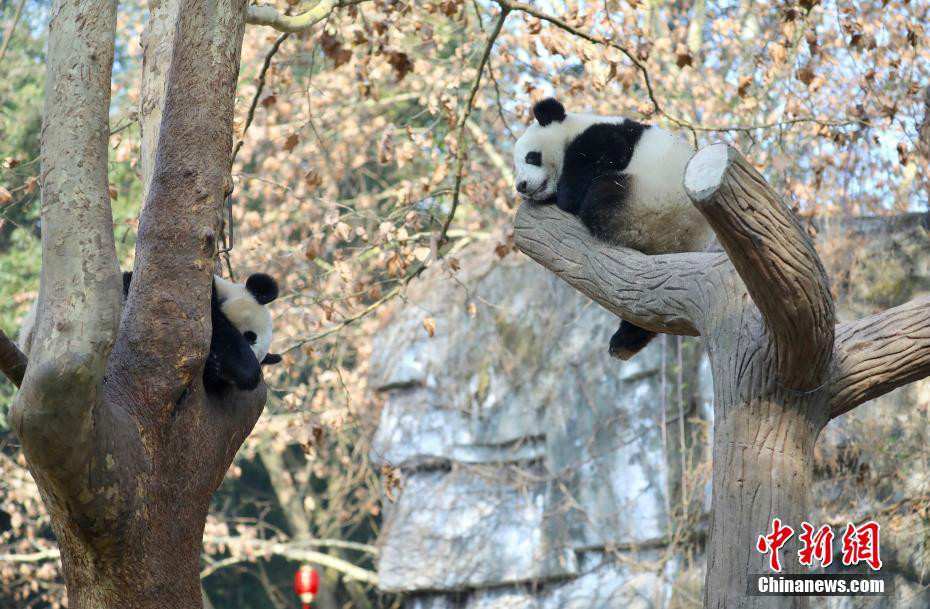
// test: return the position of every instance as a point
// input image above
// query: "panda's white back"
(659, 208)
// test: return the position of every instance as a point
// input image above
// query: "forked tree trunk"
(782, 368)
(124, 443)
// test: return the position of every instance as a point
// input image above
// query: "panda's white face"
(247, 314)
(537, 160)
(540, 151)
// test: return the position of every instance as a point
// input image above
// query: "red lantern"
(306, 584)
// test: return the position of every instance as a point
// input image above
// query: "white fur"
(661, 217)
(246, 313)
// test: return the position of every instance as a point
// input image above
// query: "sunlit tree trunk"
(124, 443)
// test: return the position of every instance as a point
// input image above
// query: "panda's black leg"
(629, 340)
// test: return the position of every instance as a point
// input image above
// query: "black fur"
(231, 361)
(548, 111)
(629, 340)
(593, 187)
(263, 287)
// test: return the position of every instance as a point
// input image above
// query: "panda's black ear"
(262, 287)
(549, 110)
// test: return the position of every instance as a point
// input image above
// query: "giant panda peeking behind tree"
(242, 332)
(241, 337)
(623, 179)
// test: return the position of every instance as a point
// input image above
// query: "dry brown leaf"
(429, 324)
(291, 141)
(778, 52)
(683, 56)
(805, 75)
(396, 266)
(332, 48)
(743, 88)
(313, 179)
(400, 62)
(32, 184)
(114, 193)
(5, 197)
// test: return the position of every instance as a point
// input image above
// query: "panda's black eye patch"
(250, 336)
(534, 158)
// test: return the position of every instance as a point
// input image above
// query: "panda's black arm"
(576, 177)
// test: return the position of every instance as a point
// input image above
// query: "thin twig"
(258, 91)
(9, 33)
(460, 147)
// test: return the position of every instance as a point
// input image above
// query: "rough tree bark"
(125, 445)
(782, 368)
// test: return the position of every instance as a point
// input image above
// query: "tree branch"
(293, 552)
(877, 354)
(259, 87)
(659, 293)
(80, 288)
(181, 216)
(292, 24)
(463, 121)
(774, 257)
(8, 34)
(12, 360)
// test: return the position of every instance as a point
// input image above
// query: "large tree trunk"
(126, 446)
(782, 367)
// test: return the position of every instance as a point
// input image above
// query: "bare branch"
(292, 24)
(879, 353)
(463, 121)
(259, 87)
(40, 556)
(659, 293)
(8, 34)
(80, 289)
(294, 551)
(158, 45)
(923, 130)
(12, 360)
(774, 257)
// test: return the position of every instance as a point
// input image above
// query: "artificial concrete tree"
(782, 366)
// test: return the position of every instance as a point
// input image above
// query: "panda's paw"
(619, 351)
(629, 340)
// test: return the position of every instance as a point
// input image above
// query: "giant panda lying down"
(624, 181)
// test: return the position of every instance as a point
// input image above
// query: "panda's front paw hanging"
(629, 340)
